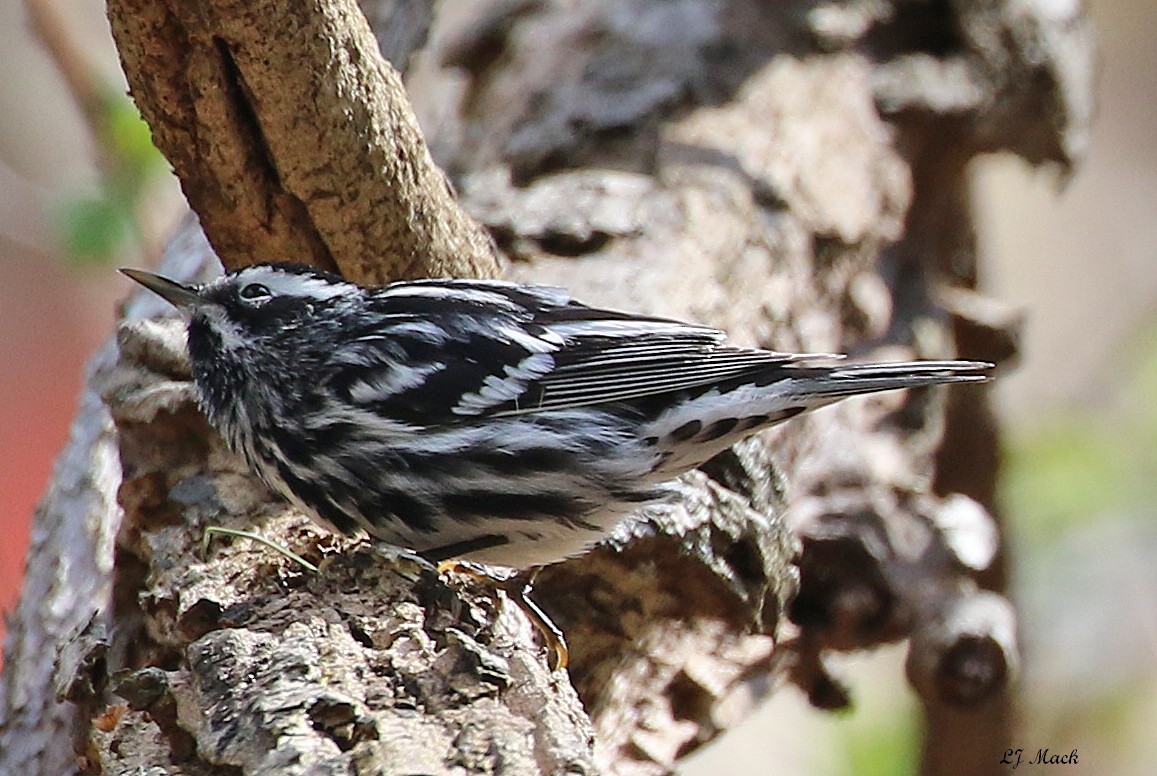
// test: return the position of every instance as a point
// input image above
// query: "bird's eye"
(255, 292)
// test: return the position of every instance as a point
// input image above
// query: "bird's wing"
(613, 360)
(456, 350)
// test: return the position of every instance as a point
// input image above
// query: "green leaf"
(94, 229)
(129, 143)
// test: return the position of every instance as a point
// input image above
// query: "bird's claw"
(518, 587)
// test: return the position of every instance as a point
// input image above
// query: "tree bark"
(793, 173)
(293, 138)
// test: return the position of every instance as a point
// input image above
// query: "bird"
(484, 421)
(487, 420)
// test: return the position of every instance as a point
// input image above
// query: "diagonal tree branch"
(293, 137)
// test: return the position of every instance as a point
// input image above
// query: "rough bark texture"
(293, 137)
(792, 173)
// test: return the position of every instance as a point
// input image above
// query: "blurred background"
(81, 192)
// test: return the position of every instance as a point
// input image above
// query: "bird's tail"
(696, 430)
(817, 386)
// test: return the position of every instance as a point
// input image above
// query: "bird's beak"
(181, 297)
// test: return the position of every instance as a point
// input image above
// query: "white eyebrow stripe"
(474, 295)
(318, 289)
(293, 284)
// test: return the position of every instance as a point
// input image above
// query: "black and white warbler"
(487, 420)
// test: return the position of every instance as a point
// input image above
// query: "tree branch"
(293, 138)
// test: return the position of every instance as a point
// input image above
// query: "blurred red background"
(54, 310)
(51, 319)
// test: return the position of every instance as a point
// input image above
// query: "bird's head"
(248, 307)
(258, 326)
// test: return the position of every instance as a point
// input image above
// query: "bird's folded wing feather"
(457, 350)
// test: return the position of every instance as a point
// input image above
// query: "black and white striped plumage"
(463, 418)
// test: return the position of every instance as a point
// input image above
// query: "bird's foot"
(518, 587)
(408, 563)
